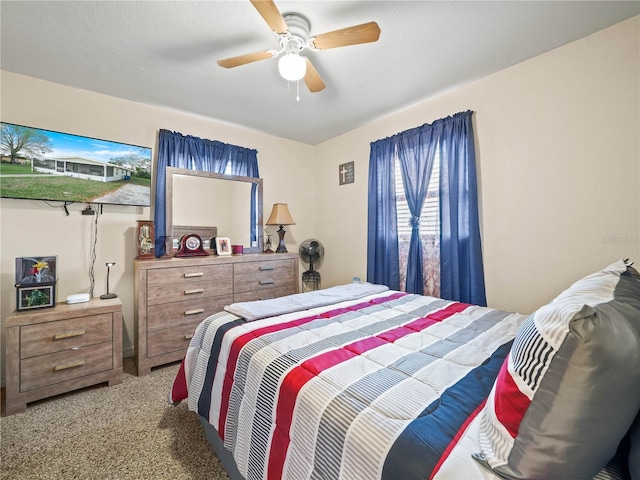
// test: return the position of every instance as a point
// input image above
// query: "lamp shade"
(280, 215)
(292, 67)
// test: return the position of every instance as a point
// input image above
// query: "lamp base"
(281, 247)
(106, 296)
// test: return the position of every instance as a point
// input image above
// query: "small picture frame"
(33, 270)
(223, 246)
(35, 296)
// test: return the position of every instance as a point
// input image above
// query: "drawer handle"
(194, 312)
(73, 333)
(64, 366)
(196, 274)
(265, 269)
(266, 282)
(196, 290)
(188, 337)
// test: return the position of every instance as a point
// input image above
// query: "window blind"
(430, 216)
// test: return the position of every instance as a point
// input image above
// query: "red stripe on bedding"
(300, 375)
(422, 323)
(445, 312)
(510, 403)
(365, 345)
(242, 340)
(456, 439)
(179, 390)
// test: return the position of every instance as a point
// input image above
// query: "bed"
(362, 382)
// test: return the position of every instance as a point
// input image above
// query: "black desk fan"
(311, 253)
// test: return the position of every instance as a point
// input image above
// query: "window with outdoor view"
(429, 230)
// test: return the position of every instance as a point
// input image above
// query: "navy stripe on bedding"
(204, 401)
(421, 445)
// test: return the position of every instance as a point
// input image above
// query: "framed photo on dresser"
(223, 246)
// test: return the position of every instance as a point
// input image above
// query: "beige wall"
(30, 228)
(558, 159)
(557, 146)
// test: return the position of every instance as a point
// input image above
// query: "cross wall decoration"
(346, 173)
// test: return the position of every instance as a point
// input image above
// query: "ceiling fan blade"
(364, 33)
(312, 78)
(271, 15)
(244, 59)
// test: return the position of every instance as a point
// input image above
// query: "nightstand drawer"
(63, 335)
(186, 291)
(197, 273)
(45, 370)
(188, 311)
(169, 340)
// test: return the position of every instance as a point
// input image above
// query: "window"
(429, 230)
(430, 217)
(461, 276)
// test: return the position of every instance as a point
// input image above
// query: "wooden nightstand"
(55, 350)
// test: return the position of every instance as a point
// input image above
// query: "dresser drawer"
(196, 273)
(263, 275)
(43, 338)
(188, 311)
(167, 340)
(45, 370)
(192, 291)
(263, 294)
(275, 267)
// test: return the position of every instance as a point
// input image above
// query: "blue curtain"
(461, 270)
(383, 258)
(416, 151)
(177, 150)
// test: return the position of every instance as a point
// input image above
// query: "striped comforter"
(386, 386)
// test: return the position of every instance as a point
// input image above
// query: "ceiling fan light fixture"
(292, 67)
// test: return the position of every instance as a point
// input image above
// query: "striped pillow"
(570, 388)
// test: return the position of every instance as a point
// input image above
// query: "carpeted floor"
(127, 431)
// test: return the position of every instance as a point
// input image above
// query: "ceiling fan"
(292, 30)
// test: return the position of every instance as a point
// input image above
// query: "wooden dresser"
(55, 350)
(173, 295)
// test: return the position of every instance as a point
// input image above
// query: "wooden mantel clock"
(191, 246)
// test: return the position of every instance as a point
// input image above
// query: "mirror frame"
(171, 171)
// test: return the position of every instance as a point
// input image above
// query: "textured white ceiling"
(164, 53)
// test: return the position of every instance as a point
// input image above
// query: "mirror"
(205, 199)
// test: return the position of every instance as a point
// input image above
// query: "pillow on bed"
(570, 388)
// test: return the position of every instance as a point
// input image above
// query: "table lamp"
(280, 216)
